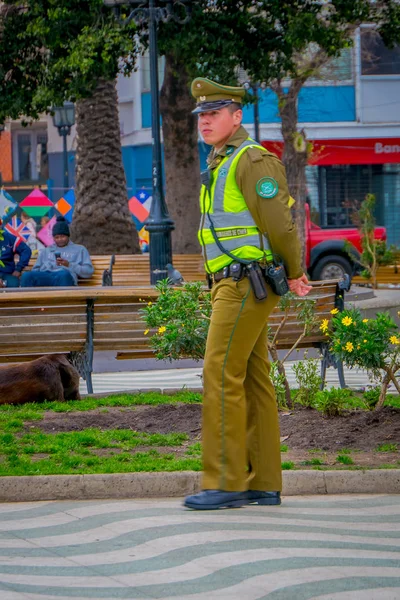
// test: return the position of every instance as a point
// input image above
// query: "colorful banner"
(45, 234)
(139, 206)
(7, 204)
(66, 205)
(17, 228)
(36, 204)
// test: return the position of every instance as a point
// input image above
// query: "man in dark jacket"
(9, 246)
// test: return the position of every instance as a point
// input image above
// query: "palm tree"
(102, 220)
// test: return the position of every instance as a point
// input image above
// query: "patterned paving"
(331, 547)
(177, 378)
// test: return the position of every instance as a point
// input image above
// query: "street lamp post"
(255, 87)
(159, 224)
(64, 119)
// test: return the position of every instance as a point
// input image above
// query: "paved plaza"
(191, 378)
(331, 547)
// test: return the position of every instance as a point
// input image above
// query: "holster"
(257, 281)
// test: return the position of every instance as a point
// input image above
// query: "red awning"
(369, 151)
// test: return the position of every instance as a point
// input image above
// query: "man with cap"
(245, 222)
(61, 263)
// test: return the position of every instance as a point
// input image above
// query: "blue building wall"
(327, 104)
(317, 104)
(56, 171)
(138, 162)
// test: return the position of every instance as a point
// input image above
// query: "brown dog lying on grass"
(50, 377)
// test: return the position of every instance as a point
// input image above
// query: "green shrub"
(371, 344)
(177, 322)
(387, 448)
(332, 402)
(344, 459)
(308, 381)
(278, 381)
(371, 398)
(287, 465)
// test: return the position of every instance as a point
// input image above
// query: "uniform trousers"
(240, 426)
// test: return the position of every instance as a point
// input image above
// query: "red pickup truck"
(326, 257)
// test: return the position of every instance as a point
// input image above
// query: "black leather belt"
(235, 270)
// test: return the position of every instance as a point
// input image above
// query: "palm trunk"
(295, 156)
(102, 221)
(181, 155)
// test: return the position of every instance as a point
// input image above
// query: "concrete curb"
(178, 484)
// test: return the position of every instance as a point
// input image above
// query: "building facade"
(351, 113)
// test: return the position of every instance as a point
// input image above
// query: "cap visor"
(210, 106)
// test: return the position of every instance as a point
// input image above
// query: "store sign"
(369, 151)
(381, 148)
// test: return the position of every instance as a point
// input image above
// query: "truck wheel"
(332, 267)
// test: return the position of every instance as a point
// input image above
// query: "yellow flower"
(146, 332)
(149, 303)
(394, 340)
(324, 325)
(365, 320)
(334, 311)
(358, 347)
(349, 347)
(162, 329)
(365, 341)
(347, 321)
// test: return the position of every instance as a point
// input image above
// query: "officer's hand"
(299, 286)
(16, 274)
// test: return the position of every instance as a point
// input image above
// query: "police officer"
(245, 217)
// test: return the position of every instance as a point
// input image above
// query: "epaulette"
(256, 154)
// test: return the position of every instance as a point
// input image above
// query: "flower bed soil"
(306, 432)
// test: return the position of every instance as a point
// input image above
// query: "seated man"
(9, 271)
(60, 264)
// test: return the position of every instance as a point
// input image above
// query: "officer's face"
(217, 126)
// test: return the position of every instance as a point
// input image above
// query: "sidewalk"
(332, 547)
(191, 378)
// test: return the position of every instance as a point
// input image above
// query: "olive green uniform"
(241, 440)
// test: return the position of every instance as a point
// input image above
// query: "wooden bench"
(78, 321)
(388, 274)
(327, 295)
(134, 269)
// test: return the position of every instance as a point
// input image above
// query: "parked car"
(326, 256)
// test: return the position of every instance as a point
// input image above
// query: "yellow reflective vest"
(224, 209)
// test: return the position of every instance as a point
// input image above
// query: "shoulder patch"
(267, 187)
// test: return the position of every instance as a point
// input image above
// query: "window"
(145, 68)
(342, 188)
(30, 155)
(336, 69)
(376, 58)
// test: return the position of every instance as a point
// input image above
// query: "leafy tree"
(208, 45)
(54, 50)
(308, 34)
(281, 42)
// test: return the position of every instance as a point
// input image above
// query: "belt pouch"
(257, 281)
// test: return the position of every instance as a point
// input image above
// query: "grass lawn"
(91, 450)
(26, 450)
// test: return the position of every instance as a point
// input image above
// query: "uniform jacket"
(11, 245)
(271, 215)
(80, 264)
